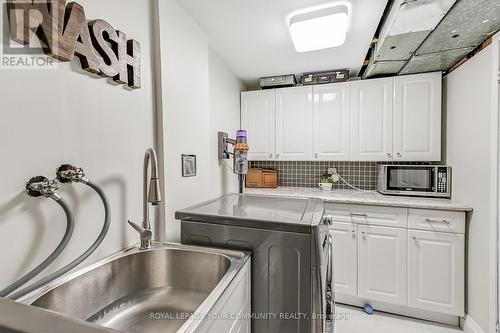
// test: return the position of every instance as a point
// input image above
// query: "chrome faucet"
(151, 194)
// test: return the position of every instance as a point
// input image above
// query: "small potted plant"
(326, 183)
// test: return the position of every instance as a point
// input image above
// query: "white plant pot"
(325, 186)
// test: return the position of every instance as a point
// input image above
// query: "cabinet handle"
(359, 214)
(277, 155)
(414, 238)
(399, 155)
(363, 234)
(389, 155)
(437, 221)
(270, 155)
(315, 155)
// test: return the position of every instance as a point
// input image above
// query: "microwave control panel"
(442, 180)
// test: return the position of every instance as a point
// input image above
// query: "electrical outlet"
(332, 171)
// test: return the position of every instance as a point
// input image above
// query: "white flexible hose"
(353, 187)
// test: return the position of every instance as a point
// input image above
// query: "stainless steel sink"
(163, 289)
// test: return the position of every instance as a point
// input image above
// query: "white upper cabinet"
(417, 117)
(331, 122)
(388, 119)
(436, 271)
(372, 120)
(294, 123)
(258, 118)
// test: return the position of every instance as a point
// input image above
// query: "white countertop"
(363, 197)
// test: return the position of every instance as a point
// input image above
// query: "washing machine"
(291, 255)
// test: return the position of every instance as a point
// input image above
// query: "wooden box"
(262, 178)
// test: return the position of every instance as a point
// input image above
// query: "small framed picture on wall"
(188, 165)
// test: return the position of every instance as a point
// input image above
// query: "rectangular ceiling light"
(318, 29)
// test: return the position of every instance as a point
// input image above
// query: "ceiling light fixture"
(319, 28)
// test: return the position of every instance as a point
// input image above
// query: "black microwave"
(415, 180)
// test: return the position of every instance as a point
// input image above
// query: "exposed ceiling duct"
(431, 35)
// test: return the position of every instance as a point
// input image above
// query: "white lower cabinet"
(436, 271)
(232, 311)
(382, 264)
(345, 260)
(415, 267)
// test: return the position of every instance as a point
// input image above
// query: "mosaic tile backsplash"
(362, 175)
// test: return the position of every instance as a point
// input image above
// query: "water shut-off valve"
(42, 186)
(68, 173)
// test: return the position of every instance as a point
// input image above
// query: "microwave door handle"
(435, 182)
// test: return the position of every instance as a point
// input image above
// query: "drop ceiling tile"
(435, 61)
(467, 24)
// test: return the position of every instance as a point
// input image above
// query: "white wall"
(48, 117)
(199, 97)
(471, 150)
(496, 105)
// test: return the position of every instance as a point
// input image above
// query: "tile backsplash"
(362, 175)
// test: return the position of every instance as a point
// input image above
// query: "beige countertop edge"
(366, 198)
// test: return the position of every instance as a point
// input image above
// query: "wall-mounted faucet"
(151, 194)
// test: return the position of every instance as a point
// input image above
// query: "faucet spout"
(151, 194)
(154, 195)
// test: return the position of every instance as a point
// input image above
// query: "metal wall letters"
(64, 32)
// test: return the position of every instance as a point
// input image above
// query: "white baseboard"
(401, 310)
(470, 326)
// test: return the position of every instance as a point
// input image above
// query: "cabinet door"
(417, 117)
(331, 122)
(436, 271)
(258, 118)
(345, 257)
(294, 124)
(382, 264)
(371, 120)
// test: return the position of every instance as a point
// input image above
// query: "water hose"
(45, 188)
(85, 255)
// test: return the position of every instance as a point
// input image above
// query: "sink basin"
(163, 289)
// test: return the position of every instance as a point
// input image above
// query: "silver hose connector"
(68, 173)
(41, 186)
